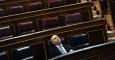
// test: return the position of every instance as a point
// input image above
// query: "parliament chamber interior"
(35, 29)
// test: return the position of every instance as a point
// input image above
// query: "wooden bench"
(16, 7)
(103, 51)
(36, 17)
(21, 7)
(94, 29)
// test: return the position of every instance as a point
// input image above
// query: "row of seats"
(67, 19)
(21, 8)
(104, 51)
(34, 47)
(26, 52)
(45, 23)
(75, 42)
(23, 53)
(31, 6)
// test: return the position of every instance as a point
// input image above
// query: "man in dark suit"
(57, 47)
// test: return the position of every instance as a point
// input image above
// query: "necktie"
(62, 50)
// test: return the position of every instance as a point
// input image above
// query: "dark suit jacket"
(54, 51)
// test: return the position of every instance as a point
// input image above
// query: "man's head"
(55, 40)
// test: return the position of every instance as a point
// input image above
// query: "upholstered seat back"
(25, 27)
(3, 56)
(22, 53)
(73, 18)
(5, 32)
(79, 41)
(54, 3)
(15, 9)
(50, 22)
(35, 6)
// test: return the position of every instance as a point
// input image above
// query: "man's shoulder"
(51, 46)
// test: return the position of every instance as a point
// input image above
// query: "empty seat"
(73, 18)
(39, 51)
(50, 22)
(79, 41)
(5, 32)
(15, 10)
(54, 3)
(25, 27)
(24, 53)
(35, 6)
(3, 56)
